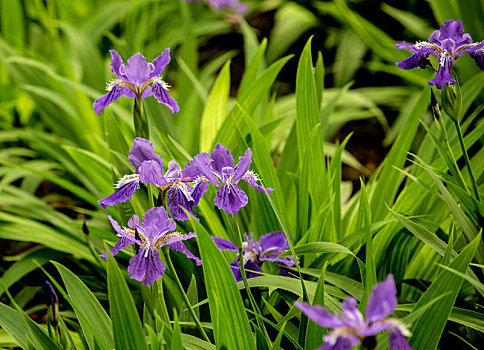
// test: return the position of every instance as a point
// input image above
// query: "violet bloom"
(149, 170)
(154, 233)
(269, 247)
(448, 44)
(351, 328)
(138, 79)
(218, 168)
(219, 5)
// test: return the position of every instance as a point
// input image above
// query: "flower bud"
(136, 245)
(434, 104)
(85, 229)
(452, 100)
(52, 303)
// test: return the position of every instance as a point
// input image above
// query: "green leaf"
(12, 20)
(230, 322)
(425, 337)
(319, 248)
(176, 341)
(91, 315)
(127, 329)
(310, 146)
(387, 186)
(13, 323)
(215, 109)
(26, 264)
(247, 102)
(291, 21)
(253, 68)
(364, 219)
(346, 66)
(314, 332)
(468, 227)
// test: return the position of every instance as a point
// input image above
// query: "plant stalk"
(466, 158)
(185, 297)
(238, 236)
(141, 127)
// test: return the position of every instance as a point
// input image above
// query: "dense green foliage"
(415, 215)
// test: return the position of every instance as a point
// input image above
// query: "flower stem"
(466, 158)
(184, 296)
(238, 237)
(140, 120)
(161, 296)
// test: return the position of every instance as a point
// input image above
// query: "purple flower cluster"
(269, 247)
(149, 170)
(218, 167)
(448, 44)
(154, 233)
(351, 328)
(184, 188)
(138, 79)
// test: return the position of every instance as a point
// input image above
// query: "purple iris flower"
(218, 168)
(138, 79)
(154, 233)
(351, 328)
(269, 247)
(149, 170)
(448, 44)
(218, 5)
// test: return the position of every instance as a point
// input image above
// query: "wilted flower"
(149, 170)
(138, 79)
(154, 233)
(448, 44)
(218, 168)
(269, 247)
(351, 328)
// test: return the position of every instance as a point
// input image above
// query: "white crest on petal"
(183, 187)
(332, 337)
(112, 83)
(252, 175)
(163, 83)
(444, 57)
(126, 179)
(200, 178)
(400, 326)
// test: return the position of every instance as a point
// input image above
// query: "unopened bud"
(85, 229)
(136, 245)
(434, 104)
(452, 100)
(52, 303)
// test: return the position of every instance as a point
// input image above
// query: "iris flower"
(154, 233)
(269, 247)
(218, 5)
(149, 170)
(218, 167)
(138, 79)
(448, 44)
(351, 328)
